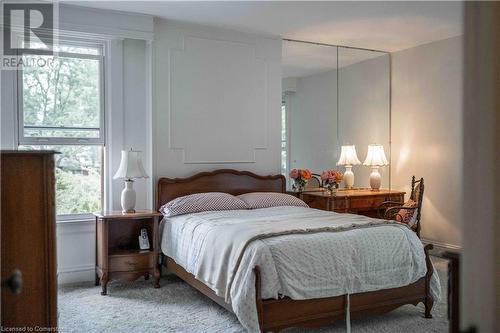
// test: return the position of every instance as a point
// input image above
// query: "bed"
(271, 309)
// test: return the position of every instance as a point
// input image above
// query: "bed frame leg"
(428, 301)
(258, 298)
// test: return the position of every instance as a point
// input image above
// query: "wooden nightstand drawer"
(125, 263)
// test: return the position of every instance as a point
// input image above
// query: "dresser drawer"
(366, 202)
(339, 203)
(125, 263)
(315, 201)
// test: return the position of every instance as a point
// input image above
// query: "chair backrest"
(314, 182)
(417, 195)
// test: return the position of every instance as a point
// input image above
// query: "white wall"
(216, 100)
(137, 115)
(427, 132)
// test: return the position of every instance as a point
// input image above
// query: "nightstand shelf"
(120, 252)
(118, 255)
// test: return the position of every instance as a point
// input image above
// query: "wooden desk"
(356, 201)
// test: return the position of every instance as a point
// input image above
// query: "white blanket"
(300, 251)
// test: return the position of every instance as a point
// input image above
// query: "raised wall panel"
(218, 101)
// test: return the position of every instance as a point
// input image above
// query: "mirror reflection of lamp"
(348, 158)
(131, 168)
(375, 158)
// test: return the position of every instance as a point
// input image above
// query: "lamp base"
(128, 197)
(375, 179)
(348, 177)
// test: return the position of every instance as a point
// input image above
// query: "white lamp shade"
(348, 156)
(375, 156)
(131, 166)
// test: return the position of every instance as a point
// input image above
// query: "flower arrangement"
(331, 179)
(300, 178)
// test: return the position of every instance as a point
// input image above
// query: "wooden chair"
(389, 210)
(314, 182)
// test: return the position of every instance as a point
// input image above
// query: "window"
(284, 141)
(60, 107)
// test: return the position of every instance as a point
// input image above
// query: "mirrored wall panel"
(364, 107)
(309, 106)
(334, 96)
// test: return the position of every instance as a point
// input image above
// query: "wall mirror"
(334, 96)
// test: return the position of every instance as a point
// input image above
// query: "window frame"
(69, 141)
(34, 141)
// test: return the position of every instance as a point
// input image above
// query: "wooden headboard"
(225, 180)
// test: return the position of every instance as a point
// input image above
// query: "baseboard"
(440, 247)
(78, 273)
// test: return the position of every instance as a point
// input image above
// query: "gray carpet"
(176, 307)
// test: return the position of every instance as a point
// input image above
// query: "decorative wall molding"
(218, 100)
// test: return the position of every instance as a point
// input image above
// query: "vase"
(299, 185)
(332, 187)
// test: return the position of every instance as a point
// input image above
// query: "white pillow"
(201, 202)
(270, 199)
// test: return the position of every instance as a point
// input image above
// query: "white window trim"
(101, 141)
(22, 140)
(69, 218)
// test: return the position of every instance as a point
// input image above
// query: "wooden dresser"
(28, 240)
(356, 201)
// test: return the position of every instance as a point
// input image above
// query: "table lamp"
(130, 169)
(348, 158)
(375, 158)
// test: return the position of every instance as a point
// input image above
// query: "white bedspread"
(300, 251)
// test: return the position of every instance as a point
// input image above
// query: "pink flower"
(294, 173)
(332, 176)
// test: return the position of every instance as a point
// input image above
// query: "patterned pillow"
(408, 216)
(201, 202)
(270, 199)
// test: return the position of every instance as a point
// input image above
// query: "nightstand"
(118, 255)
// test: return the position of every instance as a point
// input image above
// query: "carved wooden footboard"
(277, 314)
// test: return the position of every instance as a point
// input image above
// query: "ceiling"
(305, 59)
(388, 26)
